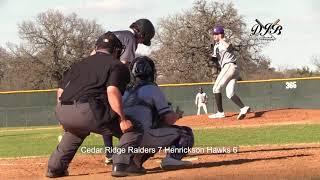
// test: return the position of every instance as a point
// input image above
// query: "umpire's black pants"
(78, 121)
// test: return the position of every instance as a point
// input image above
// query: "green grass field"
(17, 142)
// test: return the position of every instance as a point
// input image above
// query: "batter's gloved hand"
(125, 125)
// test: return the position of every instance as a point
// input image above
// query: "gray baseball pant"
(227, 78)
(177, 136)
(78, 121)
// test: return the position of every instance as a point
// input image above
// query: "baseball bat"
(259, 23)
(276, 22)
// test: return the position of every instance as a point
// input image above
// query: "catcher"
(153, 124)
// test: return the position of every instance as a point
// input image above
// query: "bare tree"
(304, 71)
(4, 58)
(184, 43)
(55, 41)
(315, 59)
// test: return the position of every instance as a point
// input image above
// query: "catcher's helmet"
(110, 41)
(144, 28)
(143, 67)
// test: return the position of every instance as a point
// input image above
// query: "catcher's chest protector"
(134, 100)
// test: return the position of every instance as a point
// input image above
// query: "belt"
(74, 102)
(229, 63)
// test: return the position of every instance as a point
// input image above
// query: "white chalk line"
(29, 129)
(15, 164)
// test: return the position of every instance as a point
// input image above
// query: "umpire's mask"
(143, 68)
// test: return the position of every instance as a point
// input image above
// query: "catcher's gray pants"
(78, 121)
(227, 78)
(177, 136)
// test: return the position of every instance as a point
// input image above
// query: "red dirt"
(260, 118)
(259, 162)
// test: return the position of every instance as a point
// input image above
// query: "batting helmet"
(143, 67)
(145, 29)
(110, 41)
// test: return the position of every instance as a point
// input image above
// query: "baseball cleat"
(51, 174)
(122, 170)
(217, 115)
(170, 163)
(243, 112)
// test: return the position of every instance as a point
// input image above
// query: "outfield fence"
(36, 107)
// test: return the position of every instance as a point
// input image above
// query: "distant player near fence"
(201, 101)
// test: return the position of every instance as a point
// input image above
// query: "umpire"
(85, 106)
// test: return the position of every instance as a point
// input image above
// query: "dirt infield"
(255, 119)
(258, 162)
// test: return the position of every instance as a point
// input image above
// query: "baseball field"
(280, 143)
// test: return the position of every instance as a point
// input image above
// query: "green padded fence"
(36, 108)
(259, 95)
(27, 108)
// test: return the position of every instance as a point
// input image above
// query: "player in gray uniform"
(140, 32)
(223, 52)
(153, 121)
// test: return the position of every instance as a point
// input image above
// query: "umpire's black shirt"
(91, 76)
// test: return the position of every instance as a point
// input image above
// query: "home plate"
(185, 159)
(191, 159)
